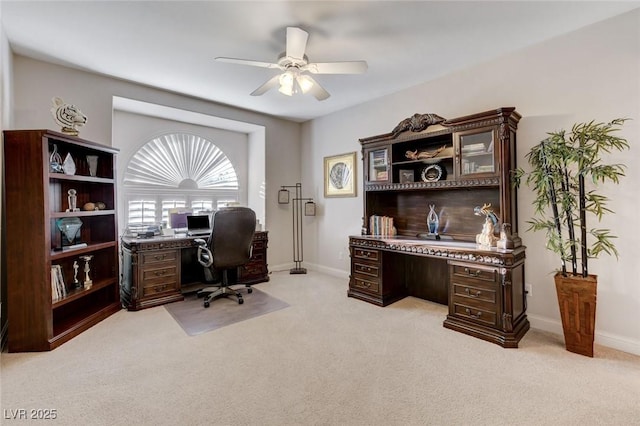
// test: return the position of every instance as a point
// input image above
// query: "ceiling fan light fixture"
(286, 83)
(305, 83)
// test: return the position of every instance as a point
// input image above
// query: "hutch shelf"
(45, 308)
(448, 166)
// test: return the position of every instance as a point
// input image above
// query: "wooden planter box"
(577, 300)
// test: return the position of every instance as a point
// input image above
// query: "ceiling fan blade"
(296, 42)
(347, 67)
(317, 90)
(248, 62)
(270, 84)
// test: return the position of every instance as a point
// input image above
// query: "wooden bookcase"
(35, 200)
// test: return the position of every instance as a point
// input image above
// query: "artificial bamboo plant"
(560, 165)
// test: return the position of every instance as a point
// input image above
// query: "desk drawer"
(366, 269)
(159, 256)
(158, 286)
(254, 268)
(162, 272)
(366, 285)
(473, 291)
(475, 273)
(259, 245)
(363, 253)
(480, 315)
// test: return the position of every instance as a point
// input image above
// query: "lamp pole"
(297, 224)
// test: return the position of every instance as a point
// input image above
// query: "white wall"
(36, 82)
(593, 73)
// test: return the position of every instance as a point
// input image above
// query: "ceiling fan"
(295, 65)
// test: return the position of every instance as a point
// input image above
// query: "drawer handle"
(473, 274)
(476, 294)
(160, 273)
(160, 257)
(468, 311)
(366, 284)
(159, 289)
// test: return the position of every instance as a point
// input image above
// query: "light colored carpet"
(325, 360)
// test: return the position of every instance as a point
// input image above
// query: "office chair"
(229, 247)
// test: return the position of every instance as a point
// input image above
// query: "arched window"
(177, 170)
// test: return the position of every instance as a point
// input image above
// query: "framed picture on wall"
(340, 175)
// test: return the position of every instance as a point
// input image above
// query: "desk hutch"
(36, 200)
(453, 165)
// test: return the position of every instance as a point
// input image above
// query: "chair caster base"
(240, 301)
(249, 290)
(206, 304)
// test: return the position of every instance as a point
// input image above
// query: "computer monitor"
(197, 222)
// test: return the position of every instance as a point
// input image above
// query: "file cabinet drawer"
(474, 273)
(365, 285)
(159, 256)
(475, 292)
(363, 253)
(366, 269)
(476, 314)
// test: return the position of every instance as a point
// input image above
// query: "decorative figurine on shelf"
(76, 282)
(423, 155)
(92, 161)
(87, 280)
(55, 161)
(72, 199)
(486, 239)
(70, 229)
(67, 116)
(69, 166)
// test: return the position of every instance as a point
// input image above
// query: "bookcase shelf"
(36, 202)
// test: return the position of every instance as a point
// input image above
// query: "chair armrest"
(204, 256)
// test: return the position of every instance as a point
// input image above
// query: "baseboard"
(609, 340)
(281, 267)
(338, 273)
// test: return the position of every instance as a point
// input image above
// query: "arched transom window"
(178, 170)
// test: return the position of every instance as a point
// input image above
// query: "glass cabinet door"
(378, 165)
(477, 153)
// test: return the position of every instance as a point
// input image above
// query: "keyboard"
(199, 232)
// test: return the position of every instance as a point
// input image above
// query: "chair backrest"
(232, 236)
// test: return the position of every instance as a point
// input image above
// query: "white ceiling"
(172, 44)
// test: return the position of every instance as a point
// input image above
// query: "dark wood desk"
(159, 270)
(484, 288)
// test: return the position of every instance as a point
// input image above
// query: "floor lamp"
(309, 209)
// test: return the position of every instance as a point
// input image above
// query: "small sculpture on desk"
(433, 223)
(87, 280)
(486, 239)
(507, 240)
(76, 282)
